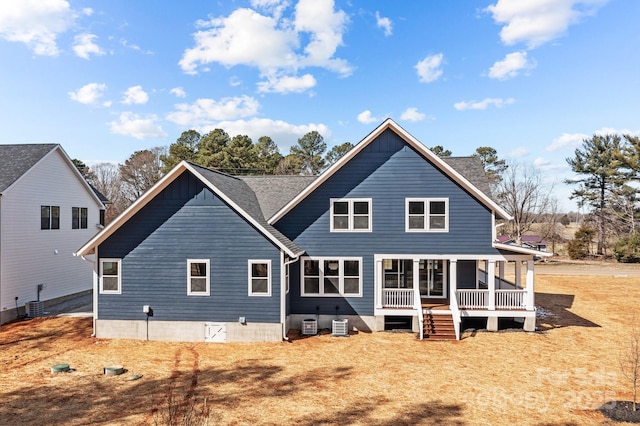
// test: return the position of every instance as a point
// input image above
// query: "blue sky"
(528, 78)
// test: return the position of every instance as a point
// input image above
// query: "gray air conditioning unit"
(340, 327)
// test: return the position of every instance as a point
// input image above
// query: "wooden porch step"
(438, 327)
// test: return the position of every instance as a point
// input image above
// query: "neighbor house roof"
(446, 166)
(232, 190)
(15, 160)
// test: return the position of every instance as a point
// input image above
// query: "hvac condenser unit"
(309, 327)
(340, 327)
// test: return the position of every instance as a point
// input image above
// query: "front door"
(432, 275)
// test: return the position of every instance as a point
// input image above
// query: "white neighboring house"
(47, 210)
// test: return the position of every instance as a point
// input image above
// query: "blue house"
(390, 236)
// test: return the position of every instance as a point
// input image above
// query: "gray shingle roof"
(472, 170)
(274, 192)
(15, 160)
(243, 196)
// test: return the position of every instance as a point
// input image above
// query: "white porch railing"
(397, 297)
(510, 299)
(472, 299)
(479, 299)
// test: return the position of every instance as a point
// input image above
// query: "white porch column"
(530, 284)
(518, 272)
(417, 301)
(453, 281)
(378, 283)
(491, 284)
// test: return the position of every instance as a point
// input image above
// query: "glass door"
(432, 277)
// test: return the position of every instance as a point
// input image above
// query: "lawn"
(558, 375)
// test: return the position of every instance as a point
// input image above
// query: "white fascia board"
(155, 190)
(244, 214)
(522, 250)
(390, 124)
(138, 204)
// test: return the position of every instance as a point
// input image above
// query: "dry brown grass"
(556, 376)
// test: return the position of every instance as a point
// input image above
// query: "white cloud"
(483, 104)
(566, 141)
(285, 134)
(137, 126)
(204, 112)
(37, 23)
(543, 164)
(518, 152)
(538, 22)
(88, 94)
(429, 68)
(84, 46)
(365, 117)
(287, 84)
(273, 44)
(574, 140)
(412, 114)
(135, 95)
(385, 24)
(178, 92)
(510, 66)
(87, 11)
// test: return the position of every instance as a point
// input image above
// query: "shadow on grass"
(428, 413)
(556, 313)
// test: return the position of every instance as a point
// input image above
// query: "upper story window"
(259, 278)
(79, 217)
(110, 276)
(198, 277)
(49, 217)
(427, 215)
(351, 215)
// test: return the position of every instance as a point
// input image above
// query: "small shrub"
(578, 248)
(627, 250)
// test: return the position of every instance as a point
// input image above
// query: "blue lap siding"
(387, 171)
(187, 221)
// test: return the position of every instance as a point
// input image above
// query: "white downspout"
(95, 290)
(283, 292)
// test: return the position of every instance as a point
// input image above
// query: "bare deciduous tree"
(630, 360)
(140, 172)
(105, 178)
(525, 196)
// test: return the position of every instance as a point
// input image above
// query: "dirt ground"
(559, 375)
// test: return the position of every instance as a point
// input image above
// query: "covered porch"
(461, 286)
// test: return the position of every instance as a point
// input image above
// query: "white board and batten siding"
(32, 256)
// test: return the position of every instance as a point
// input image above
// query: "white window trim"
(250, 277)
(321, 277)
(119, 276)
(426, 202)
(207, 292)
(351, 214)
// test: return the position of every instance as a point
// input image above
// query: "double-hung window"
(351, 215)
(323, 276)
(259, 278)
(110, 276)
(427, 215)
(49, 217)
(79, 217)
(198, 277)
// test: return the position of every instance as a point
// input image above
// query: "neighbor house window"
(198, 277)
(352, 215)
(79, 217)
(259, 278)
(110, 276)
(331, 277)
(427, 215)
(49, 217)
